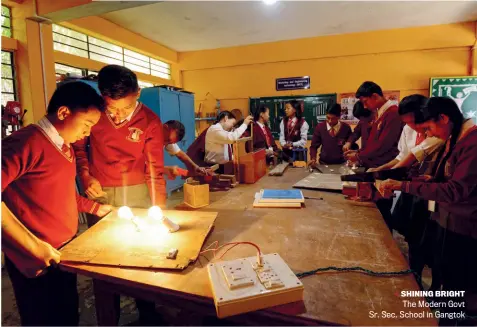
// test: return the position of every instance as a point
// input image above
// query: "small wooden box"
(196, 195)
(253, 166)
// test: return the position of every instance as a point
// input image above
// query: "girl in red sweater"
(40, 205)
(452, 195)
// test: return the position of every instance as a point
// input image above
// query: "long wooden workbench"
(329, 232)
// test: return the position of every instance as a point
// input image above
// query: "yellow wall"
(400, 59)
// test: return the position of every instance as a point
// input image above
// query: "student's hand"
(422, 178)
(92, 187)
(201, 170)
(171, 172)
(45, 256)
(370, 170)
(351, 155)
(387, 187)
(103, 210)
(347, 146)
(248, 120)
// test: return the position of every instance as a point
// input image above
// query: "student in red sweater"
(262, 135)
(385, 131)
(40, 205)
(452, 193)
(331, 135)
(361, 131)
(125, 162)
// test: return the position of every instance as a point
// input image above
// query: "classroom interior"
(218, 56)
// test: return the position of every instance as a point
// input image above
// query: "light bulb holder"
(170, 225)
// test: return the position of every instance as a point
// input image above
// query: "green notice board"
(314, 107)
(463, 90)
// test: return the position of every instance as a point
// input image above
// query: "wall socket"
(242, 286)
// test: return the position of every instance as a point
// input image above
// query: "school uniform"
(38, 186)
(331, 139)
(361, 131)
(381, 146)
(454, 231)
(218, 143)
(196, 150)
(295, 131)
(127, 158)
(263, 139)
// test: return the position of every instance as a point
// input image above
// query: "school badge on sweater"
(134, 134)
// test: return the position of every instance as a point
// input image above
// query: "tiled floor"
(129, 315)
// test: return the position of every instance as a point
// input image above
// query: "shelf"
(206, 118)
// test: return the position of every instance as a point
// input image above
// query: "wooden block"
(258, 204)
(196, 195)
(299, 164)
(253, 166)
(279, 169)
(214, 167)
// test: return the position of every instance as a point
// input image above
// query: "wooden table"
(329, 232)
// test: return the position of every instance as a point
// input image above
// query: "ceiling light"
(269, 2)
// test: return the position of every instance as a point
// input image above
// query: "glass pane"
(161, 75)
(138, 68)
(160, 69)
(105, 44)
(7, 71)
(105, 52)
(68, 49)
(66, 31)
(136, 55)
(135, 61)
(143, 84)
(90, 72)
(5, 11)
(6, 22)
(104, 59)
(70, 41)
(63, 69)
(6, 32)
(159, 63)
(7, 85)
(7, 97)
(6, 57)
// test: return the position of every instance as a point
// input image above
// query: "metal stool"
(297, 151)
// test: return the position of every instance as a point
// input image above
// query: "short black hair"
(224, 114)
(297, 106)
(367, 89)
(412, 104)
(117, 82)
(77, 96)
(256, 113)
(359, 111)
(178, 127)
(334, 110)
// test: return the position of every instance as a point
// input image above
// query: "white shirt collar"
(260, 124)
(336, 127)
(51, 132)
(128, 118)
(384, 107)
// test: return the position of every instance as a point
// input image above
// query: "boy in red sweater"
(331, 135)
(125, 163)
(361, 131)
(40, 205)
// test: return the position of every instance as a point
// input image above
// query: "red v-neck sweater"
(38, 186)
(127, 154)
(331, 146)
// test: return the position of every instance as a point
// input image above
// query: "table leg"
(107, 312)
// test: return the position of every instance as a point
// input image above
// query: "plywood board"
(279, 169)
(317, 181)
(117, 242)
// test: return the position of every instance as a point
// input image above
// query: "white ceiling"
(198, 25)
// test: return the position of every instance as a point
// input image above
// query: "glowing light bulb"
(269, 2)
(155, 212)
(125, 212)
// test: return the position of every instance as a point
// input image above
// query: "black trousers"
(47, 300)
(384, 206)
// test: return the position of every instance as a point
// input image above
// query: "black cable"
(360, 269)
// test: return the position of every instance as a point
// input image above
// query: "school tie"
(332, 132)
(229, 149)
(420, 138)
(66, 150)
(267, 137)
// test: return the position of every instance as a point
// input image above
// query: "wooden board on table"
(279, 169)
(317, 181)
(117, 242)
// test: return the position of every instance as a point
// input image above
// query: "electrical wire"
(356, 269)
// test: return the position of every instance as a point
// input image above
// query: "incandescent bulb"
(125, 212)
(269, 2)
(155, 212)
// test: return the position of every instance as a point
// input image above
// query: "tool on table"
(312, 198)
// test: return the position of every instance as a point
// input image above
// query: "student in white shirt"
(293, 128)
(174, 131)
(413, 144)
(219, 137)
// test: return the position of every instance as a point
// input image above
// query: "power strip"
(242, 286)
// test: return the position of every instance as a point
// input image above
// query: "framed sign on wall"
(462, 89)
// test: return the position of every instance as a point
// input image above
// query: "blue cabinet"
(172, 105)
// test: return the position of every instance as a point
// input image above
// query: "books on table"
(269, 198)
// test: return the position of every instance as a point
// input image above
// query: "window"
(143, 84)
(61, 69)
(67, 40)
(8, 78)
(6, 22)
